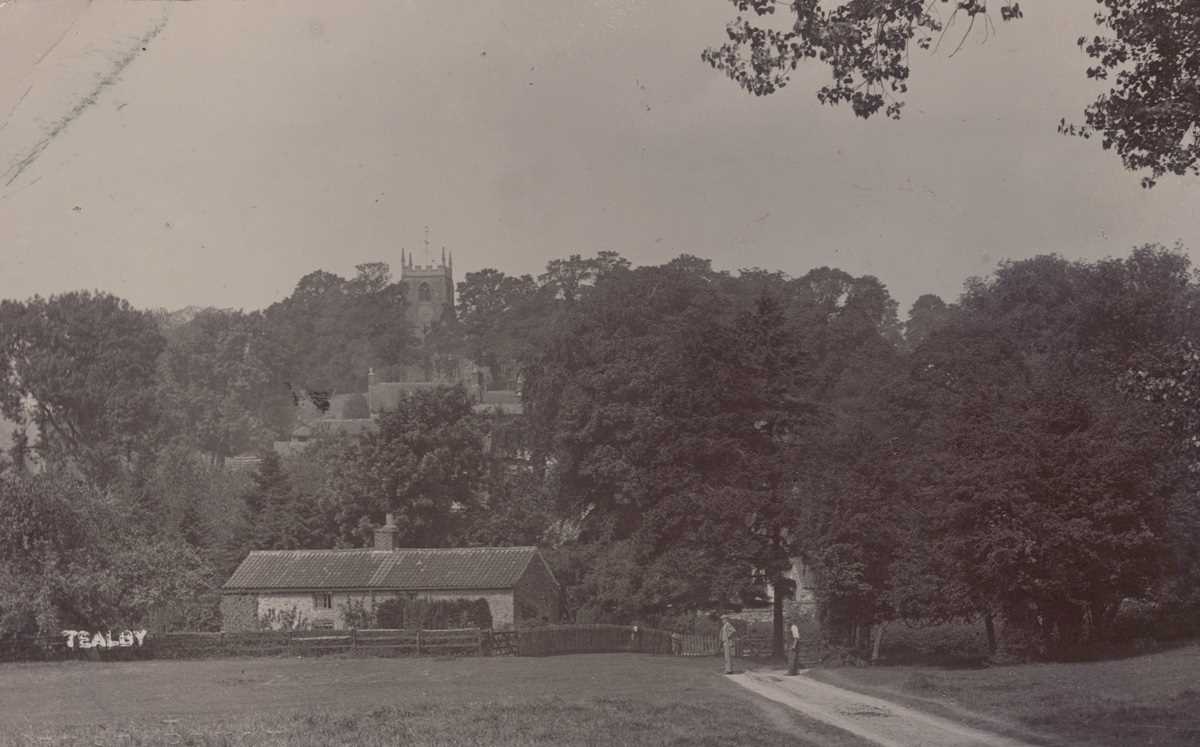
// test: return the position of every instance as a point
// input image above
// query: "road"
(879, 721)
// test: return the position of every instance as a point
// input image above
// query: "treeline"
(131, 415)
(1024, 453)
(1028, 452)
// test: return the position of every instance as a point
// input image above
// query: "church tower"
(428, 288)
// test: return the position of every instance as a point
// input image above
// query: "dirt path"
(880, 721)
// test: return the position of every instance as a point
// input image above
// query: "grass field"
(1144, 700)
(562, 700)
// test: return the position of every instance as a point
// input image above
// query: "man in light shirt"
(794, 650)
(729, 644)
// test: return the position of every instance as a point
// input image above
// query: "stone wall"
(243, 611)
(303, 606)
(499, 602)
(537, 594)
(793, 611)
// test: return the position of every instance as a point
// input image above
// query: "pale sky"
(253, 141)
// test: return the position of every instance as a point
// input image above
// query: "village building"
(316, 588)
(429, 290)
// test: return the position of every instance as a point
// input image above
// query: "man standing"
(794, 650)
(728, 643)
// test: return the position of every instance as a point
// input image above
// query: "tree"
(67, 559)
(490, 311)
(514, 508)
(425, 464)
(222, 383)
(85, 363)
(667, 401)
(333, 330)
(1046, 493)
(928, 314)
(272, 505)
(1147, 48)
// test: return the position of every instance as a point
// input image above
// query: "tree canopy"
(1146, 50)
(1027, 451)
(85, 364)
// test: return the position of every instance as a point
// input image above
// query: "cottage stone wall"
(537, 594)
(309, 615)
(300, 605)
(500, 603)
(243, 611)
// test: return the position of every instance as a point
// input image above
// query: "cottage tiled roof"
(391, 570)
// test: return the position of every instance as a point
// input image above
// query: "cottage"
(320, 585)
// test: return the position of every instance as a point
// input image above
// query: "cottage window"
(323, 601)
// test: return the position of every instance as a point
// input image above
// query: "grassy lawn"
(561, 700)
(1145, 700)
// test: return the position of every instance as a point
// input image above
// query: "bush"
(356, 615)
(1145, 621)
(688, 622)
(433, 614)
(948, 644)
(289, 619)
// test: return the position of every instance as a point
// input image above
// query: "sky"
(213, 152)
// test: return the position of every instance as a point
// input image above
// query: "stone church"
(429, 290)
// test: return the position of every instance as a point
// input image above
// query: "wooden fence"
(539, 641)
(578, 639)
(377, 642)
(699, 644)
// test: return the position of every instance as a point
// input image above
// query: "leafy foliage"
(1047, 495)
(425, 464)
(433, 614)
(67, 561)
(1027, 452)
(222, 383)
(85, 364)
(334, 329)
(1145, 48)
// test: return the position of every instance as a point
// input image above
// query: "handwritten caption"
(105, 639)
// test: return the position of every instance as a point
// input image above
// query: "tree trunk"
(990, 626)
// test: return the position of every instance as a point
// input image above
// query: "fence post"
(418, 641)
(353, 638)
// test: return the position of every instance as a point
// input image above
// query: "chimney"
(387, 537)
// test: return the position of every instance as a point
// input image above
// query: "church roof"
(386, 396)
(413, 569)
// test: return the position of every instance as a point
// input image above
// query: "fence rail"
(572, 639)
(538, 641)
